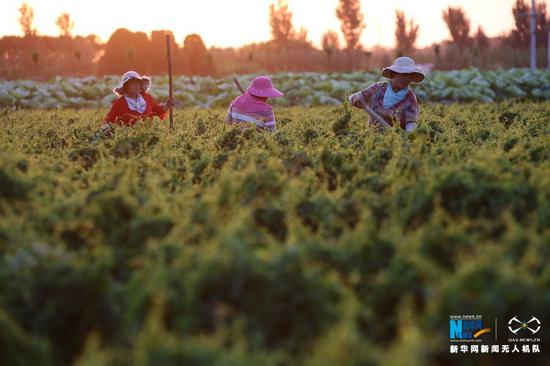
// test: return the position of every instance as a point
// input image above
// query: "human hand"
(355, 101)
(107, 129)
(409, 127)
(169, 104)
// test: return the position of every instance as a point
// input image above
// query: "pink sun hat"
(129, 75)
(261, 86)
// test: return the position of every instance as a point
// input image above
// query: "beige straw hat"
(129, 75)
(404, 65)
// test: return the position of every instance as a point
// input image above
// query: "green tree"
(481, 40)
(157, 52)
(280, 20)
(26, 16)
(405, 37)
(459, 26)
(65, 25)
(125, 51)
(330, 42)
(198, 60)
(352, 22)
(520, 36)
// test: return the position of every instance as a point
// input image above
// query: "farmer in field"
(251, 107)
(134, 102)
(392, 100)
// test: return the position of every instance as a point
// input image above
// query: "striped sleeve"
(264, 120)
(228, 117)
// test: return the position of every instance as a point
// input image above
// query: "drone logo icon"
(515, 325)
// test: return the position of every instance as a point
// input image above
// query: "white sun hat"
(129, 75)
(404, 65)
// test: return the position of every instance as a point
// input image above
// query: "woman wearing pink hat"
(251, 107)
(393, 100)
(134, 102)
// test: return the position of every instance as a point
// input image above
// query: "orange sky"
(237, 22)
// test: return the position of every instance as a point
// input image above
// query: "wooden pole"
(381, 121)
(533, 35)
(170, 86)
(375, 115)
(236, 81)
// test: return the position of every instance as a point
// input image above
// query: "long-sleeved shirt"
(247, 110)
(121, 113)
(405, 112)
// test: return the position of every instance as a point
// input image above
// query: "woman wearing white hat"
(393, 100)
(134, 102)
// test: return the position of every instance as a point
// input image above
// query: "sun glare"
(234, 23)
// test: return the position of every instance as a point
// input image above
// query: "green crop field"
(301, 89)
(323, 243)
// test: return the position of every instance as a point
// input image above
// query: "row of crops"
(321, 244)
(304, 89)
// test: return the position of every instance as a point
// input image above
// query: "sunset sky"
(237, 22)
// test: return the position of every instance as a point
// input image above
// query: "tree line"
(289, 49)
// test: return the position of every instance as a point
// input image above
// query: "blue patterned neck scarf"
(391, 98)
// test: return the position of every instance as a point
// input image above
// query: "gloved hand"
(107, 130)
(356, 100)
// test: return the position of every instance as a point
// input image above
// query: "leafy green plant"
(324, 243)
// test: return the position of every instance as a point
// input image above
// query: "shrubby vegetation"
(323, 243)
(302, 89)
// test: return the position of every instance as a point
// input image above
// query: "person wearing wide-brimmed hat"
(251, 107)
(393, 100)
(134, 102)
